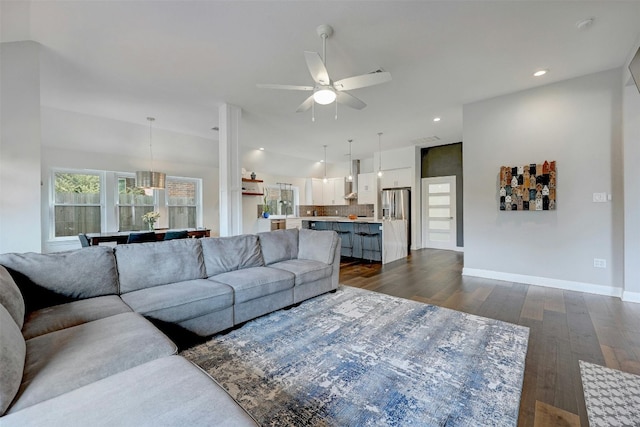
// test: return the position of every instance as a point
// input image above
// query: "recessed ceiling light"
(261, 148)
(321, 161)
(540, 73)
(584, 24)
(436, 119)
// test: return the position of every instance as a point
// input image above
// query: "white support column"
(230, 171)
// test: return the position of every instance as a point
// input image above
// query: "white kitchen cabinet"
(294, 223)
(330, 193)
(366, 189)
(396, 178)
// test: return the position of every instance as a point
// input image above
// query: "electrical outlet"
(599, 197)
(599, 263)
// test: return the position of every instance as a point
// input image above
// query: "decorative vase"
(151, 225)
(265, 214)
(253, 175)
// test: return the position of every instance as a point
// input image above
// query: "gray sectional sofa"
(77, 344)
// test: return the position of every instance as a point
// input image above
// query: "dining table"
(120, 237)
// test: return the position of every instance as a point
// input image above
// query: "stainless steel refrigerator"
(396, 204)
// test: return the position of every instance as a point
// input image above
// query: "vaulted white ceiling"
(180, 60)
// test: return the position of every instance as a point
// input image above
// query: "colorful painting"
(528, 188)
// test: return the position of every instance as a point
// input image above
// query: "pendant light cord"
(151, 120)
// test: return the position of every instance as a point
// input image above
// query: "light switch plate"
(599, 197)
(599, 263)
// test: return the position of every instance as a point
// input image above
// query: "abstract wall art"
(528, 188)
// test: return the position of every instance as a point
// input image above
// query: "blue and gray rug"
(360, 358)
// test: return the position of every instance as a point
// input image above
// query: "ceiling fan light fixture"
(324, 96)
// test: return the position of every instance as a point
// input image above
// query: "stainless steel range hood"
(351, 188)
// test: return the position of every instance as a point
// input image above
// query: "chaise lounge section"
(78, 348)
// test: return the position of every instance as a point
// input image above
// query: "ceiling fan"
(325, 90)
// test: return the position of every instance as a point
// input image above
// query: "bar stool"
(346, 238)
(363, 230)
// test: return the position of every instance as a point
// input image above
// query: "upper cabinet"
(326, 193)
(396, 178)
(366, 189)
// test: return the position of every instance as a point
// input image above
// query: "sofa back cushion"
(12, 358)
(317, 245)
(144, 265)
(279, 245)
(59, 277)
(11, 297)
(222, 254)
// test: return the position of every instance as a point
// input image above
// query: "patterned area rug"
(612, 397)
(360, 358)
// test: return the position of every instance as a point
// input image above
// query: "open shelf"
(251, 180)
(245, 193)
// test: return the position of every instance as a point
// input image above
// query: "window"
(183, 197)
(281, 199)
(133, 202)
(76, 207)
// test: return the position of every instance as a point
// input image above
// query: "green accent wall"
(446, 160)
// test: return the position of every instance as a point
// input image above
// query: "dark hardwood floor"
(565, 326)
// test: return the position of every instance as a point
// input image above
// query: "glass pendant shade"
(150, 179)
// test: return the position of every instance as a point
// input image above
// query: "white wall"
(20, 224)
(632, 193)
(578, 124)
(79, 141)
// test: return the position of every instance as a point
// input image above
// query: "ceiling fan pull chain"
(313, 112)
(336, 117)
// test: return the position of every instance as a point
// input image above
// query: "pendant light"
(380, 154)
(350, 177)
(150, 179)
(325, 180)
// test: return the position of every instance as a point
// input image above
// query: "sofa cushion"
(65, 360)
(279, 245)
(11, 297)
(306, 271)
(256, 282)
(222, 254)
(180, 301)
(143, 265)
(56, 278)
(317, 245)
(169, 391)
(74, 313)
(12, 356)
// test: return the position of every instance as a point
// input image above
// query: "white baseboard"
(631, 296)
(550, 283)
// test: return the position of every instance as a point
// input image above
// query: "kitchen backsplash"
(359, 210)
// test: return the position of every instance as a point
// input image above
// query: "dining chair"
(149, 236)
(181, 234)
(84, 240)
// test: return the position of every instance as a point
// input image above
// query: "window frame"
(53, 204)
(198, 197)
(116, 198)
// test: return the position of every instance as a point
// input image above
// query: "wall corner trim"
(631, 296)
(549, 282)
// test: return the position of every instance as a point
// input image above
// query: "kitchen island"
(366, 237)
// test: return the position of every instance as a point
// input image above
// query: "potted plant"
(265, 208)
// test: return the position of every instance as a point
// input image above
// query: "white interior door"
(439, 212)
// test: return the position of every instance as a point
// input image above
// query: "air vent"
(425, 140)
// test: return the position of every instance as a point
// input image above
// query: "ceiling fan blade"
(349, 100)
(316, 68)
(305, 105)
(364, 80)
(286, 87)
